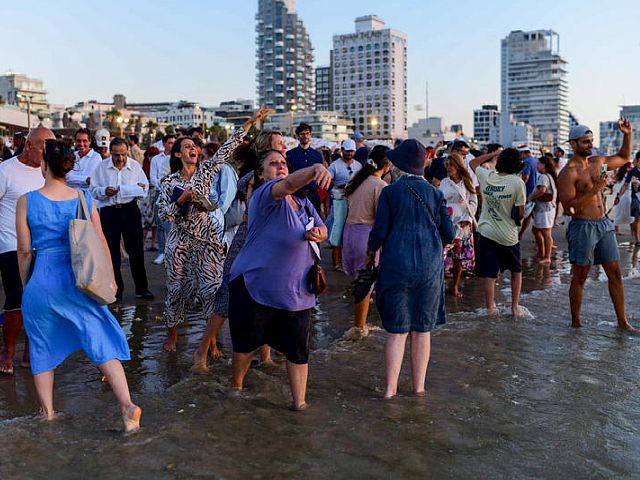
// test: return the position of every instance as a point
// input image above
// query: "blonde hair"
(455, 160)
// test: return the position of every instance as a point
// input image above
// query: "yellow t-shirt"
(499, 194)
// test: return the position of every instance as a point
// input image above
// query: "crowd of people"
(238, 227)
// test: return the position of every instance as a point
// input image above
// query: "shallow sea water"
(529, 398)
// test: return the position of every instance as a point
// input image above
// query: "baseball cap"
(579, 131)
(357, 136)
(523, 148)
(102, 137)
(348, 144)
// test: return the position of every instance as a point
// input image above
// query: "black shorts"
(11, 281)
(491, 258)
(253, 325)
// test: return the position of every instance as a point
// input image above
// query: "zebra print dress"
(194, 252)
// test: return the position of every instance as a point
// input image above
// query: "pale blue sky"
(204, 50)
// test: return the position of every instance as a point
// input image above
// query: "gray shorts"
(592, 242)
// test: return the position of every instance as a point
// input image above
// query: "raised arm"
(205, 174)
(300, 178)
(624, 154)
(482, 159)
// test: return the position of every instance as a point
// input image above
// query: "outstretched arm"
(299, 179)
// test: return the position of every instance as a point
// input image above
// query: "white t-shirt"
(499, 194)
(16, 179)
(467, 162)
(82, 169)
(160, 168)
(343, 173)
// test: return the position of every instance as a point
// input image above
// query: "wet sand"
(506, 399)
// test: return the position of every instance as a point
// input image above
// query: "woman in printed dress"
(194, 252)
(462, 202)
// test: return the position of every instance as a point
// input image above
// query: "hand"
(262, 112)
(314, 235)
(616, 201)
(625, 126)
(111, 191)
(142, 186)
(370, 259)
(186, 196)
(322, 176)
(88, 181)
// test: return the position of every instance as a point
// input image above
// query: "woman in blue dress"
(412, 225)
(59, 319)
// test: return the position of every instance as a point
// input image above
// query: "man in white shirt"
(342, 171)
(159, 169)
(87, 159)
(18, 176)
(117, 185)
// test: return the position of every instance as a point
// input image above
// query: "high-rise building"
(284, 58)
(22, 91)
(534, 86)
(611, 136)
(370, 78)
(324, 89)
(486, 124)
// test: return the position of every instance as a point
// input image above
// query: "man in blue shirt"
(362, 151)
(530, 178)
(304, 156)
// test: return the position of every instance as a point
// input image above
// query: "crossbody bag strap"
(82, 207)
(316, 255)
(424, 204)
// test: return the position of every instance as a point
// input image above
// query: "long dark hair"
(376, 162)
(549, 167)
(174, 162)
(622, 171)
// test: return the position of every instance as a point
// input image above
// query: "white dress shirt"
(82, 169)
(107, 175)
(159, 169)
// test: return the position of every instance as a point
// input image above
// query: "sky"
(204, 51)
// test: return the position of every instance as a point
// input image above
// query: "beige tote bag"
(91, 265)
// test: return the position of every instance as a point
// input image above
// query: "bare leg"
(456, 270)
(489, 286)
(537, 235)
(44, 387)
(616, 292)
(336, 256)
(420, 353)
(361, 312)
(516, 287)
(635, 230)
(298, 382)
(10, 330)
(26, 362)
(548, 245)
(172, 339)
(131, 413)
(525, 224)
(208, 339)
(579, 274)
(393, 355)
(265, 356)
(240, 365)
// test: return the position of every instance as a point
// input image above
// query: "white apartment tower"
(284, 58)
(534, 86)
(370, 78)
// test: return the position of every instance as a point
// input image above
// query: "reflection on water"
(528, 398)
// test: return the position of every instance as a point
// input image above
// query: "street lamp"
(227, 128)
(292, 110)
(121, 123)
(374, 125)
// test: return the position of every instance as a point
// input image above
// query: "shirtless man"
(591, 233)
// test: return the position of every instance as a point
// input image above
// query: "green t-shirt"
(499, 194)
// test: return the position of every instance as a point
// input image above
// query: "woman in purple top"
(269, 290)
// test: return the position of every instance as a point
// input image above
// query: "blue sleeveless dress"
(59, 319)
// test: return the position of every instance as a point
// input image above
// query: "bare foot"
(389, 396)
(131, 418)
(545, 261)
(493, 312)
(199, 363)
(627, 328)
(456, 293)
(170, 346)
(215, 352)
(298, 408)
(6, 364)
(46, 416)
(518, 313)
(421, 393)
(268, 365)
(576, 324)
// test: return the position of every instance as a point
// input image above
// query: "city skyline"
(205, 52)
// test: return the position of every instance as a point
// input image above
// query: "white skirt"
(544, 219)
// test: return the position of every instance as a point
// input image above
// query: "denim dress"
(410, 285)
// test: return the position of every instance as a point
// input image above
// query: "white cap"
(349, 144)
(102, 137)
